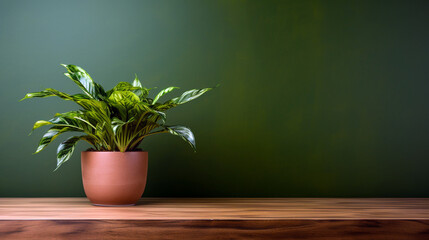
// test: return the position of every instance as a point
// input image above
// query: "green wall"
(317, 98)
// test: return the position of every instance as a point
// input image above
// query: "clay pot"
(114, 178)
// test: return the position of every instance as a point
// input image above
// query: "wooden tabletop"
(219, 209)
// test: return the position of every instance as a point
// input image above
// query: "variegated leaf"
(183, 132)
(65, 150)
(162, 93)
(85, 82)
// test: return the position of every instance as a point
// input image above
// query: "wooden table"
(216, 218)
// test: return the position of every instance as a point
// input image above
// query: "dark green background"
(317, 98)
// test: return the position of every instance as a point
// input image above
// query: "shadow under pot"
(114, 178)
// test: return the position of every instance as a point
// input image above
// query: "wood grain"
(160, 218)
(216, 229)
(217, 209)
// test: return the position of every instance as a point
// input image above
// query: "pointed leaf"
(137, 83)
(50, 92)
(141, 91)
(60, 121)
(190, 95)
(85, 82)
(162, 93)
(184, 98)
(162, 117)
(125, 86)
(117, 123)
(73, 121)
(65, 150)
(65, 96)
(40, 123)
(41, 94)
(183, 132)
(50, 135)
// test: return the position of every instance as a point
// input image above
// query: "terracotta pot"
(114, 178)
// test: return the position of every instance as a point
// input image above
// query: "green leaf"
(137, 83)
(162, 93)
(124, 86)
(183, 132)
(93, 105)
(41, 94)
(61, 119)
(184, 98)
(40, 123)
(85, 82)
(141, 91)
(124, 97)
(125, 102)
(50, 135)
(190, 95)
(162, 117)
(65, 150)
(65, 96)
(117, 123)
(75, 121)
(49, 92)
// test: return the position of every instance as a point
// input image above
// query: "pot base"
(104, 205)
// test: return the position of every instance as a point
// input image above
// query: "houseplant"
(114, 122)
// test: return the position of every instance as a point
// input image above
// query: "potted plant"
(114, 122)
